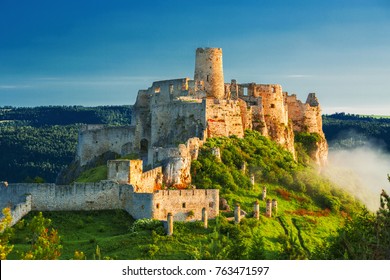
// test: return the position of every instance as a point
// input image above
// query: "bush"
(146, 224)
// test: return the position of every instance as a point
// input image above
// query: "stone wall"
(224, 118)
(94, 141)
(176, 122)
(139, 205)
(118, 171)
(79, 196)
(20, 210)
(22, 198)
(176, 162)
(126, 171)
(269, 112)
(306, 117)
(151, 180)
(181, 203)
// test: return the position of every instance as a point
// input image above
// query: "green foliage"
(365, 235)
(94, 174)
(45, 241)
(348, 130)
(6, 232)
(269, 163)
(292, 250)
(147, 224)
(263, 157)
(39, 142)
(305, 144)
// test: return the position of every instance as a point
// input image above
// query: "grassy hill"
(310, 211)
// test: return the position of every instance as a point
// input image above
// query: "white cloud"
(14, 86)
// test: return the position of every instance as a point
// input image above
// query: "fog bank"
(361, 171)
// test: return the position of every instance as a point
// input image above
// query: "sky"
(91, 52)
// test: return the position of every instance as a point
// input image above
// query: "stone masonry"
(170, 122)
(169, 113)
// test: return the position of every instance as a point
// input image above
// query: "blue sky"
(101, 52)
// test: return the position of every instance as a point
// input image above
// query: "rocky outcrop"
(306, 117)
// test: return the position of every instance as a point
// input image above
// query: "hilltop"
(310, 211)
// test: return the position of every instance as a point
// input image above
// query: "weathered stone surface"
(22, 198)
(223, 205)
(171, 112)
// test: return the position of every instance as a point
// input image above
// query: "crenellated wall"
(124, 171)
(22, 198)
(183, 203)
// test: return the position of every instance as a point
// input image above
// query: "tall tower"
(208, 68)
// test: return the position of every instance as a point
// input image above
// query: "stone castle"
(172, 119)
(170, 122)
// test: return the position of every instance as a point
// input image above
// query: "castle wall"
(151, 180)
(126, 171)
(176, 122)
(306, 117)
(79, 196)
(181, 202)
(20, 210)
(96, 140)
(118, 171)
(139, 205)
(270, 112)
(224, 118)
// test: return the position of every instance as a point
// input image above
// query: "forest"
(314, 220)
(36, 143)
(349, 131)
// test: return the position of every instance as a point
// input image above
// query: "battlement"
(185, 204)
(88, 127)
(126, 171)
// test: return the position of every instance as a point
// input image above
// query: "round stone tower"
(208, 68)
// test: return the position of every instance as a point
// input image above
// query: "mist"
(362, 171)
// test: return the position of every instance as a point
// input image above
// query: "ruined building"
(170, 122)
(172, 118)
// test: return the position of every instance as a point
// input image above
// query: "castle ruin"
(170, 122)
(172, 119)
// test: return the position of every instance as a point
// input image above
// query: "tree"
(5, 234)
(45, 241)
(365, 235)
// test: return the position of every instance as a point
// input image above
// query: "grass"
(93, 175)
(112, 230)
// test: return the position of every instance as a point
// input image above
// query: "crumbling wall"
(126, 171)
(151, 180)
(224, 117)
(22, 198)
(176, 122)
(118, 171)
(271, 117)
(94, 141)
(185, 204)
(306, 117)
(20, 210)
